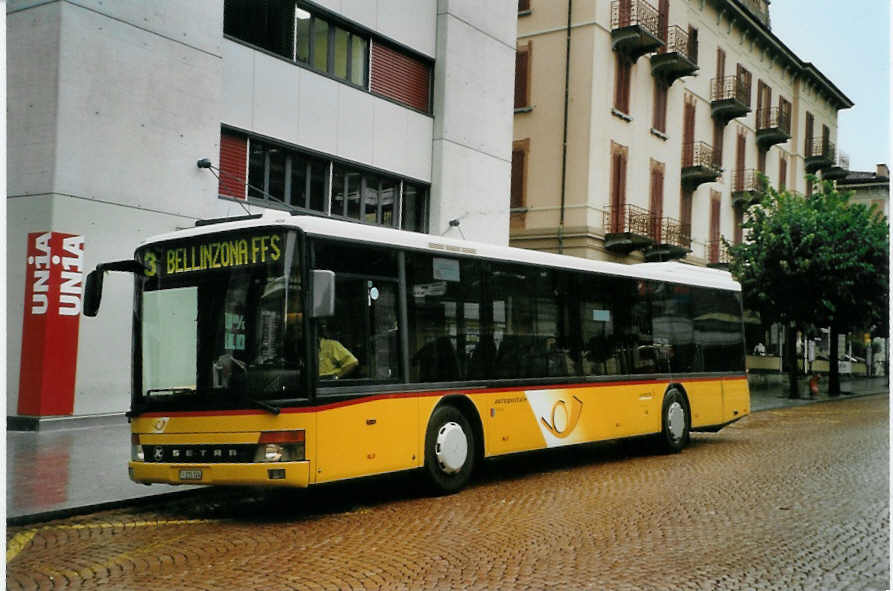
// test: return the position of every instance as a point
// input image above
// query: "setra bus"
(288, 350)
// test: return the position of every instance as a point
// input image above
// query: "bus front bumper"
(295, 474)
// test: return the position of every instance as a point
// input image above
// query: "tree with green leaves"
(812, 262)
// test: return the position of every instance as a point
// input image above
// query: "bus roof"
(672, 272)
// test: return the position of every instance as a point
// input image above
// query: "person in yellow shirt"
(335, 360)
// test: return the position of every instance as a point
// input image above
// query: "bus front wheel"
(675, 422)
(449, 450)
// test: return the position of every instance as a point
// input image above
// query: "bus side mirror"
(93, 293)
(323, 293)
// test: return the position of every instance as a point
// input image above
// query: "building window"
(659, 117)
(523, 6)
(277, 174)
(522, 76)
(622, 78)
(324, 44)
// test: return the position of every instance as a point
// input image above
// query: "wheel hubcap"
(451, 448)
(676, 421)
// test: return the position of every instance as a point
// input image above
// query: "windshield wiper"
(171, 390)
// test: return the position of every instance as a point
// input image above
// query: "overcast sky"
(849, 42)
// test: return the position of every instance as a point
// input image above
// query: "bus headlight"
(136, 450)
(280, 446)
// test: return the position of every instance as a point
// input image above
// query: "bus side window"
(365, 323)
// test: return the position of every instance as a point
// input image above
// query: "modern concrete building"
(395, 112)
(640, 128)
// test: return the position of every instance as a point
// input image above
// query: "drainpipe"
(567, 75)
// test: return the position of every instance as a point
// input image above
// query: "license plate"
(190, 474)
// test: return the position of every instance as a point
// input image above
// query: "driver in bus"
(335, 360)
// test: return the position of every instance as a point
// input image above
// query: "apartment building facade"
(641, 130)
(132, 119)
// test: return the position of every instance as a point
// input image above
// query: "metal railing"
(774, 118)
(759, 9)
(843, 160)
(820, 147)
(675, 233)
(628, 13)
(730, 87)
(678, 41)
(716, 252)
(699, 154)
(627, 218)
(747, 179)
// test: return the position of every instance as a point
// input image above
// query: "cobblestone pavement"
(786, 499)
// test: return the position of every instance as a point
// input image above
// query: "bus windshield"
(219, 321)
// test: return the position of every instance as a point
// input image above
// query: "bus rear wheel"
(675, 422)
(449, 450)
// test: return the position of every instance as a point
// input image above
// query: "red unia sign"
(53, 292)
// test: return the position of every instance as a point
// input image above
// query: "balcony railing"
(700, 164)
(820, 153)
(629, 13)
(627, 219)
(729, 97)
(838, 169)
(758, 9)
(774, 118)
(773, 126)
(672, 240)
(635, 28)
(717, 253)
(730, 88)
(699, 154)
(747, 179)
(679, 57)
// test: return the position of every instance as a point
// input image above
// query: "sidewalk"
(61, 472)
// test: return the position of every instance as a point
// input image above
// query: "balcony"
(627, 228)
(635, 28)
(747, 186)
(773, 127)
(820, 154)
(698, 165)
(729, 98)
(839, 169)
(717, 254)
(672, 240)
(678, 58)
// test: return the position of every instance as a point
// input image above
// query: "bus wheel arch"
(453, 444)
(675, 420)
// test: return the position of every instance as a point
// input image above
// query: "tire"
(675, 422)
(449, 450)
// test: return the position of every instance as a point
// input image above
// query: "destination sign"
(213, 252)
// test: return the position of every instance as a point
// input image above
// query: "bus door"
(363, 425)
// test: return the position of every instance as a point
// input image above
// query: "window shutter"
(233, 164)
(782, 173)
(522, 62)
(518, 157)
(809, 126)
(400, 77)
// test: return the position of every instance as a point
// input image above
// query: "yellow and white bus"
(288, 350)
